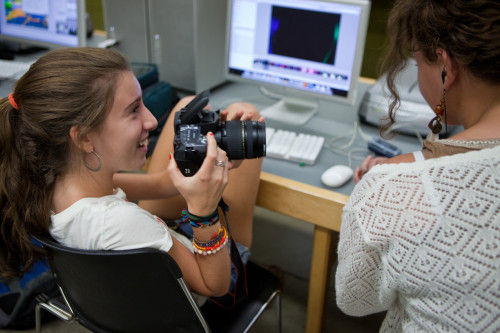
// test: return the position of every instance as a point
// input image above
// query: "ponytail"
(64, 88)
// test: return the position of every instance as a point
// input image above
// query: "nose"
(150, 121)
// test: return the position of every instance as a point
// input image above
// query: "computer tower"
(187, 39)
(127, 22)
(413, 114)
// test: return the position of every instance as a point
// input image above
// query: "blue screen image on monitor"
(302, 50)
(46, 23)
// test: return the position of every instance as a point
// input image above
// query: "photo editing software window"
(40, 21)
(306, 45)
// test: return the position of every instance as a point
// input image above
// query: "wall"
(375, 41)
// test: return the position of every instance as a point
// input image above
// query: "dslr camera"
(239, 139)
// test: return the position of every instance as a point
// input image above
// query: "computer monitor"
(44, 23)
(302, 50)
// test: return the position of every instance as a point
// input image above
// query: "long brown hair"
(469, 30)
(64, 88)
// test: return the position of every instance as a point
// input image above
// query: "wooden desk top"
(306, 202)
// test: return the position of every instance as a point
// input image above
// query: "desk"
(295, 191)
(315, 205)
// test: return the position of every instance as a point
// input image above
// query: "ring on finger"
(220, 163)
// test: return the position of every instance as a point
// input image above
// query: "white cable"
(351, 136)
(352, 133)
(349, 154)
(356, 129)
(361, 158)
(365, 137)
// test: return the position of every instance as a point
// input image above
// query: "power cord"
(351, 137)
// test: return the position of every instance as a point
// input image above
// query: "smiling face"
(121, 141)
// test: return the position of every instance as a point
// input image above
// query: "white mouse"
(337, 175)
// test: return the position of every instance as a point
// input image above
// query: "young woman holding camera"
(73, 122)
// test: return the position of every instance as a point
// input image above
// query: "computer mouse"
(337, 175)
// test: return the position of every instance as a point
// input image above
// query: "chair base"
(57, 307)
(263, 288)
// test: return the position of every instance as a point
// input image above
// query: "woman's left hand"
(241, 115)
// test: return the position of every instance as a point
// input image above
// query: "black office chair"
(142, 290)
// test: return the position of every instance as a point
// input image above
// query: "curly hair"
(64, 88)
(469, 30)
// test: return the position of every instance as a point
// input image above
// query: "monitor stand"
(5, 54)
(9, 49)
(291, 110)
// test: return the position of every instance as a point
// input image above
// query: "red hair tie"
(13, 102)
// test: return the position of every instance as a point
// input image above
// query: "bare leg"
(240, 193)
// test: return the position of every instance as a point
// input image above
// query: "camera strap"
(240, 290)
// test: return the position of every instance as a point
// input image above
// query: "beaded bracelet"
(214, 245)
(200, 221)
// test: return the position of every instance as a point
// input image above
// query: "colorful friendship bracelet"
(214, 245)
(216, 239)
(200, 221)
(214, 250)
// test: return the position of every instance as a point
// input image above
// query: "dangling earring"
(98, 159)
(440, 109)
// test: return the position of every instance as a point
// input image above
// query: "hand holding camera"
(203, 192)
(240, 139)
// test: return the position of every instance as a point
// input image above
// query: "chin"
(137, 164)
(141, 164)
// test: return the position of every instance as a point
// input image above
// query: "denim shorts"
(244, 251)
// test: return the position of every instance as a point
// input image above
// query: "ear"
(450, 69)
(80, 140)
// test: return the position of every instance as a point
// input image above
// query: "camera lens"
(243, 139)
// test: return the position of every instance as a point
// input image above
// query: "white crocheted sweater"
(422, 240)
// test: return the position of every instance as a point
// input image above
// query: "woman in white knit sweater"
(420, 236)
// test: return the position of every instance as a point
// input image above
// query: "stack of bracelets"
(218, 240)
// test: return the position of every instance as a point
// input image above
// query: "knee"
(183, 102)
(178, 106)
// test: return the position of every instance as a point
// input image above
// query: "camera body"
(240, 139)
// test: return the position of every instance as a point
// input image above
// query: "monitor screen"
(307, 49)
(46, 23)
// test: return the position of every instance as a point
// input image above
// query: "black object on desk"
(5, 53)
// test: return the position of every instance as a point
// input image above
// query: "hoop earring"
(440, 110)
(98, 159)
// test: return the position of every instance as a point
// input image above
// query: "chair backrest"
(138, 290)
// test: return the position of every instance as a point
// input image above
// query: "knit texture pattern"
(422, 241)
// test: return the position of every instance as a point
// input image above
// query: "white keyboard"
(289, 145)
(10, 69)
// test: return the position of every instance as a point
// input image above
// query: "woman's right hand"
(367, 164)
(203, 190)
